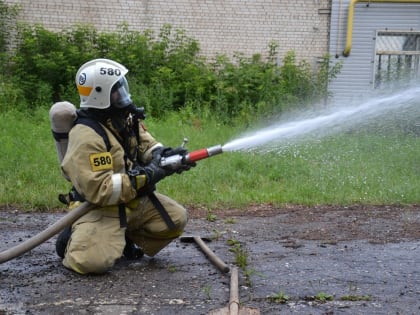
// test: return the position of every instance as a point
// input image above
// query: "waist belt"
(74, 195)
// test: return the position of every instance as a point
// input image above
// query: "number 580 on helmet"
(97, 79)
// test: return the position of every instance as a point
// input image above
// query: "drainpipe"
(350, 18)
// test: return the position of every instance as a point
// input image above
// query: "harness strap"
(162, 211)
(95, 125)
(122, 215)
(60, 135)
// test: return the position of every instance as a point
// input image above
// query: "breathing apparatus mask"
(120, 96)
(120, 99)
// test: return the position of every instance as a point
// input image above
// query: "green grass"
(350, 168)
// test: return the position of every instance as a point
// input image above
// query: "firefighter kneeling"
(112, 162)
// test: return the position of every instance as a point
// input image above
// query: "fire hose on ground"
(173, 162)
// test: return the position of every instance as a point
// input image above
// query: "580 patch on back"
(101, 161)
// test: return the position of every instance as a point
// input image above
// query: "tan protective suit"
(97, 239)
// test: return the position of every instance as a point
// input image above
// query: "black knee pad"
(62, 240)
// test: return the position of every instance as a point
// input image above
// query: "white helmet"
(95, 81)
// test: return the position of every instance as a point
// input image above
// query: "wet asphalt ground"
(294, 261)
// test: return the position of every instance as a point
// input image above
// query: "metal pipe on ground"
(222, 266)
(234, 307)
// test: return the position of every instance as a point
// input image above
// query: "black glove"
(148, 175)
(167, 151)
(154, 172)
(163, 152)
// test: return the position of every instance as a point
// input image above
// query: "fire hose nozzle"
(195, 156)
(176, 161)
(217, 149)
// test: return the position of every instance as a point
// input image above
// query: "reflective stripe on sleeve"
(116, 188)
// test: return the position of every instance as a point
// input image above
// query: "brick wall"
(229, 26)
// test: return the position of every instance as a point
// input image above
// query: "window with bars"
(397, 56)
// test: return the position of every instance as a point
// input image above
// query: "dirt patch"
(299, 260)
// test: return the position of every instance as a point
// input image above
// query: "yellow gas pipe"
(350, 19)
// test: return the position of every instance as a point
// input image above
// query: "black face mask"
(114, 113)
(102, 115)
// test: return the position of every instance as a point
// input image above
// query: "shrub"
(167, 72)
